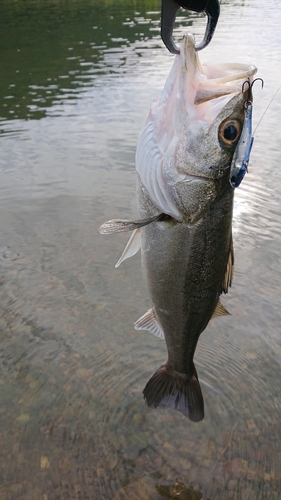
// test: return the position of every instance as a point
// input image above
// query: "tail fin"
(170, 389)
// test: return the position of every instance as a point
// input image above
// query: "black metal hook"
(169, 12)
(250, 88)
(256, 80)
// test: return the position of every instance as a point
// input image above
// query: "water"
(77, 82)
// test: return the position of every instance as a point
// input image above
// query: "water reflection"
(52, 51)
(78, 79)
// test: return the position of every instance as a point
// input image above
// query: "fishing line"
(267, 108)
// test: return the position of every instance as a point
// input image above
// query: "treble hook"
(168, 16)
(250, 87)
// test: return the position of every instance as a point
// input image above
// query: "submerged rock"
(180, 491)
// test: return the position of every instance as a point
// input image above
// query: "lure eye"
(229, 133)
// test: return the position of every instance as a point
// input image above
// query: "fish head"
(205, 147)
(191, 133)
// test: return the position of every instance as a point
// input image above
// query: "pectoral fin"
(132, 246)
(227, 281)
(121, 226)
(149, 322)
(220, 311)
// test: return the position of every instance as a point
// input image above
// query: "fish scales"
(185, 202)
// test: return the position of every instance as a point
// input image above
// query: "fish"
(185, 203)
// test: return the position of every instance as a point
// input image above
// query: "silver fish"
(185, 199)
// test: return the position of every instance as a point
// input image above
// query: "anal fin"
(149, 322)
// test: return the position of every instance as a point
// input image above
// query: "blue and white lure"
(241, 157)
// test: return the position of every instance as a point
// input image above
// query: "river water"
(77, 80)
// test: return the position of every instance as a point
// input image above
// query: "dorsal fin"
(227, 280)
(149, 322)
(220, 310)
(132, 246)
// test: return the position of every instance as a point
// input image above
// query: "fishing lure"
(241, 157)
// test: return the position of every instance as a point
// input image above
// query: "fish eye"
(229, 133)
